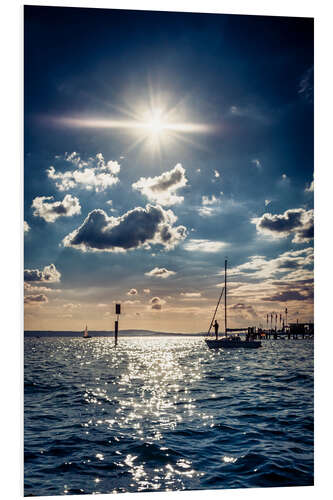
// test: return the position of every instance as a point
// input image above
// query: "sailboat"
(231, 341)
(85, 333)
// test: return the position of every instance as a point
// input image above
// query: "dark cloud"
(240, 306)
(137, 228)
(286, 296)
(35, 299)
(49, 274)
(244, 310)
(295, 221)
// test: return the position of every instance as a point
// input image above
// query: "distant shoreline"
(110, 334)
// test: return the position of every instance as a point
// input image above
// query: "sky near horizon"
(156, 146)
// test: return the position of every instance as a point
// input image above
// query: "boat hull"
(232, 344)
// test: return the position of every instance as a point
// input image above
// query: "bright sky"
(157, 145)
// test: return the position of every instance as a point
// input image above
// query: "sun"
(155, 123)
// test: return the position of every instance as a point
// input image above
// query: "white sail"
(85, 334)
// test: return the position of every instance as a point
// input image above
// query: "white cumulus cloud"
(93, 174)
(160, 272)
(162, 189)
(50, 210)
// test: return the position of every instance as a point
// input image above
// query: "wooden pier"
(291, 331)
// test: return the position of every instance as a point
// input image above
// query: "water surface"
(165, 414)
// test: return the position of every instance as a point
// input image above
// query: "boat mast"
(225, 296)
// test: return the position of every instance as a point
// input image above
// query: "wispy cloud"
(306, 85)
(202, 245)
(31, 288)
(190, 294)
(35, 299)
(292, 264)
(26, 227)
(210, 205)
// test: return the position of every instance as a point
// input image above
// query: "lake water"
(166, 413)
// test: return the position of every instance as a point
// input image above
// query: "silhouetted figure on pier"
(216, 328)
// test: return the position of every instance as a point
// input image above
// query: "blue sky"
(157, 145)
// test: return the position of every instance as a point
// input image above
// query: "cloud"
(286, 296)
(71, 306)
(50, 211)
(256, 163)
(146, 290)
(209, 205)
(196, 245)
(190, 294)
(35, 299)
(93, 174)
(309, 188)
(249, 112)
(132, 291)
(245, 311)
(206, 211)
(30, 288)
(162, 189)
(158, 272)
(206, 200)
(267, 202)
(292, 263)
(306, 85)
(49, 274)
(26, 227)
(156, 303)
(296, 221)
(137, 228)
(217, 174)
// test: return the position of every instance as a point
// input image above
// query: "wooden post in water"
(225, 296)
(116, 323)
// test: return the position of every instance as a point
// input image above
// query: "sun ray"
(156, 125)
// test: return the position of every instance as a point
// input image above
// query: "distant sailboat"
(85, 333)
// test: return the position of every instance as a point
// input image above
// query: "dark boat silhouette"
(231, 341)
(86, 334)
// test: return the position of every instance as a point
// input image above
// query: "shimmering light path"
(165, 414)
